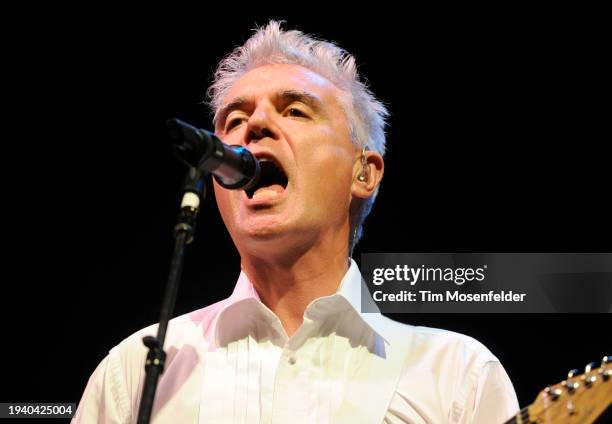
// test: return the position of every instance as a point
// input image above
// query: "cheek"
(333, 153)
(334, 161)
(330, 166)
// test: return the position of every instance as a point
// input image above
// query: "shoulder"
(181, 330)
(191, 329)
(455, 373)
(449, 362)
(435, 341)
(113, 390)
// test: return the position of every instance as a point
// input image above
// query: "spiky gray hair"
(273, 45)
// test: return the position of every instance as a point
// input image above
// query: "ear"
(375, 168)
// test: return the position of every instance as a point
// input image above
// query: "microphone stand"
(194, 192)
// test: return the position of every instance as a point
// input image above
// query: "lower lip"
(265, 198)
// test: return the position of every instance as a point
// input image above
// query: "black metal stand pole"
(193, 194)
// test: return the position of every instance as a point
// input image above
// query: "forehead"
(267, 80)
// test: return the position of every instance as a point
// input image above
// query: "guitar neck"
(580, 399)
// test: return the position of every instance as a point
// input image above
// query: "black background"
(496, 143)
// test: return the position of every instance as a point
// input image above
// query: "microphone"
(234, 167)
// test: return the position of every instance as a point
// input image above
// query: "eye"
(295, 112)
(233, 123)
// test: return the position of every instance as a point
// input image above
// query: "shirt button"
(291, 360)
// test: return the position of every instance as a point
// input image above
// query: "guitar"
(582, 398)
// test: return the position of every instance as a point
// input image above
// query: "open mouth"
(272, 181)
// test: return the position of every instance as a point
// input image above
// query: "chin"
(270, 237)
(263, 228)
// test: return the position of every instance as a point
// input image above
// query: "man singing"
(290, 345)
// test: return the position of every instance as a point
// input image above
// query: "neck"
(287, 284)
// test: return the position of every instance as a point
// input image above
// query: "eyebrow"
(286, 96)
(290, 96)
(236, 104)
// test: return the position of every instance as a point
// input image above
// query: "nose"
(260, 126)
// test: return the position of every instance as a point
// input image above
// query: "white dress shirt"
(232, 362)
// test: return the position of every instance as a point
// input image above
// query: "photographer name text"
(448, 296)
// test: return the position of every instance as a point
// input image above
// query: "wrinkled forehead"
(268, 81)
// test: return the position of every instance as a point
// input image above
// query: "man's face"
(292, 117)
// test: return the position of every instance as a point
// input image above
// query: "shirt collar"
(244, 303)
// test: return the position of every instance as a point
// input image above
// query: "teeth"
(265, 192)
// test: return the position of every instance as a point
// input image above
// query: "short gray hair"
(273, 45)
